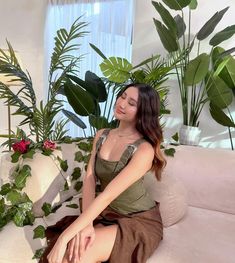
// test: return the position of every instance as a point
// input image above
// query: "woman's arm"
(139, 164)
(89, 181)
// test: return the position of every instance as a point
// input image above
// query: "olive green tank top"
(133, 199)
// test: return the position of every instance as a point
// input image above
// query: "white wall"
(22, 23)
(146, 42)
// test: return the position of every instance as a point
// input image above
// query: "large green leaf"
(98, 122)
(166, 17)
(181, 27)
(80, 100)
(222, 35)
(97, 50)
(177, 4)
(116, 69)
(210, 25)
(197, 69)
(227, 73)
(93, 84)
(168, 39)
(74, 118)
(218, 92)
(219, 116)
(97, 84)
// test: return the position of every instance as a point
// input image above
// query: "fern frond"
(59, 130)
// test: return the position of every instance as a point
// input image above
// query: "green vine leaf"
(21, 177)
(76, 173)
(78, 156)
(74, 206)
(175, 137)
(63, 164)
(5, 189)
(78, 186)
(170, 152)
(14, 197)
(38, 253)
(87, 147)
(19, 218)
(86, 158)
(39, 232)
(2, 206)
(15, 157)
(29, 154)
(66, 186)
(46, 208)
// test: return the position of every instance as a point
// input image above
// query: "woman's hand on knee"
(80, 243)
(87, 237)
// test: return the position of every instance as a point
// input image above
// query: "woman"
(121, 224)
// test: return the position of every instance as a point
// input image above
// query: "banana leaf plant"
(223, 82)
(193, 73)
(41, 116)
(153, 71)
(85, 97)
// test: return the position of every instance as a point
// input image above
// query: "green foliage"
(78, 186)
(76, 173)
(47, 209)
(74, 206)
(63, 164)
(194, 75)
(41, 120)
(169, 152)
(38, 253)
(39, 232)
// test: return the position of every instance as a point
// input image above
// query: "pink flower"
(21, 146)
(49, 145)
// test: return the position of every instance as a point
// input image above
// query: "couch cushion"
(17, 244)
(171, 195)
(201, 236)
(207, 174)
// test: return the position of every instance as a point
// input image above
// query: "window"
(110, 27)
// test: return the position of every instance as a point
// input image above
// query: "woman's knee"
(102, 247)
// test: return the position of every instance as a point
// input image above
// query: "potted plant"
(46, 133)
(192, 72)
(225, 79)
(86, 95)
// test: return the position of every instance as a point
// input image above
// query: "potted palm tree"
(192, 72)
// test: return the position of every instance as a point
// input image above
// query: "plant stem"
(231, 139)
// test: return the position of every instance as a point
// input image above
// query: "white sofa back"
(207, 174)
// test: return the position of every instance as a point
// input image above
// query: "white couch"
(197, 196)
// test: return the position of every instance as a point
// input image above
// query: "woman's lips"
(119, 111)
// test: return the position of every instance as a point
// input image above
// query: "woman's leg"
(102, 247)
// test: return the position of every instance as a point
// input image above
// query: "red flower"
(21, 146)
(49, 145)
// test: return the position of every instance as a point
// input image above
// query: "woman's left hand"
(58, 251)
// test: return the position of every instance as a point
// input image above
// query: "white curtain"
(110, 27)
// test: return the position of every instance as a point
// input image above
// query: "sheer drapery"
(110, 27)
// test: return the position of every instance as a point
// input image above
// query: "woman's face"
(126, 105)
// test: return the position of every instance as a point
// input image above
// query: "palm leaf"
(116, 69)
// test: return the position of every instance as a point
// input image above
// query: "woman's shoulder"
(145, 148)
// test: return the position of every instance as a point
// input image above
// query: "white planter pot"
(189, 135)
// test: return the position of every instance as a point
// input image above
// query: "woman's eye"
(132, 104)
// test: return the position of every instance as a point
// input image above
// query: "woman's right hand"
(80, 243)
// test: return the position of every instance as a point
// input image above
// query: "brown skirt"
(138, 235)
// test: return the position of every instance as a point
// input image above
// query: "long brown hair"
(148, 108)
